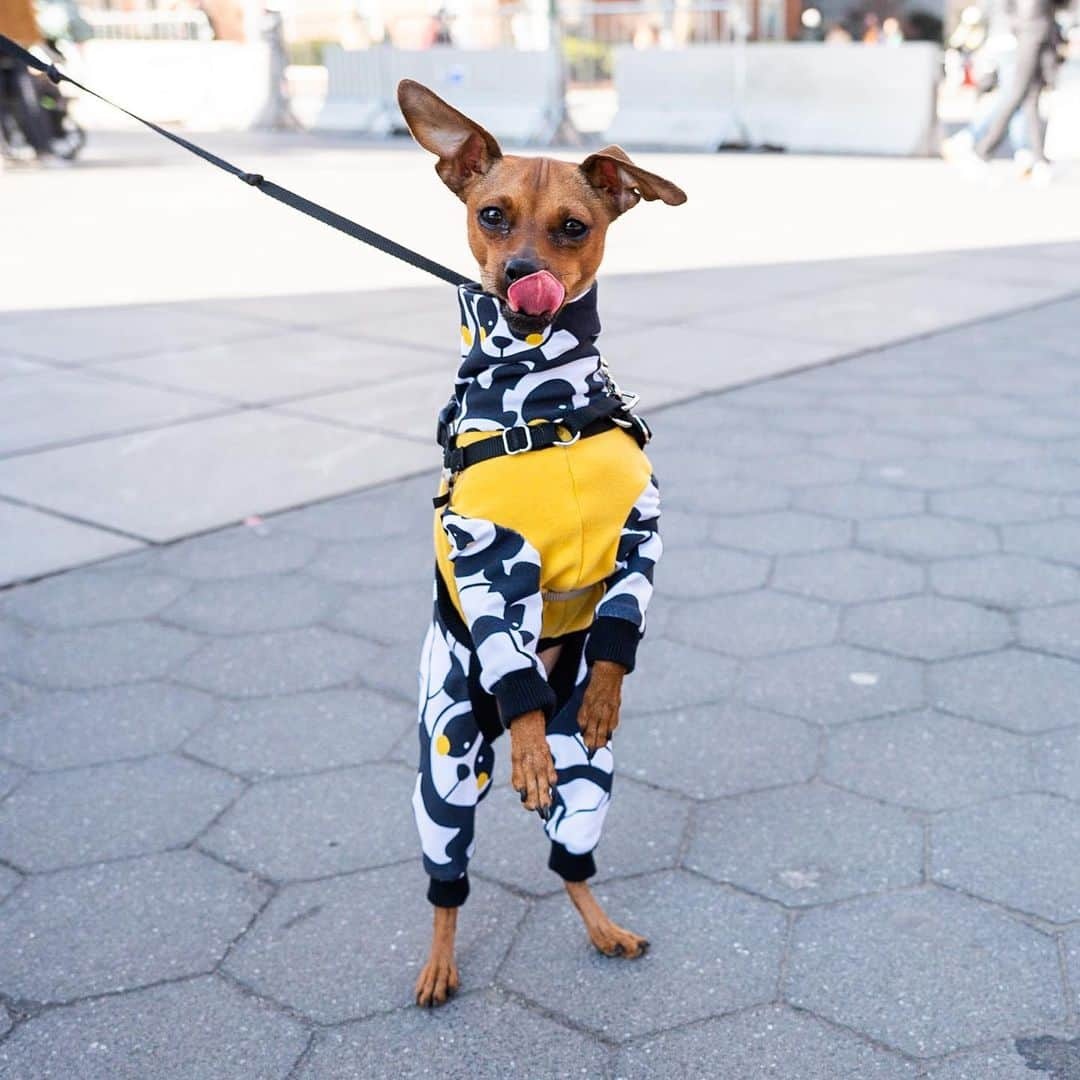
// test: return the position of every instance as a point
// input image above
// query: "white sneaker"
(1041, 175)
(958, 147)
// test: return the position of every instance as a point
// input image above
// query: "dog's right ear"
(464, 149)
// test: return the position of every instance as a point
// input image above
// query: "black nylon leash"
(283, 195)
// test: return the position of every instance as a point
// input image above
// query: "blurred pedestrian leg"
(1035, 60)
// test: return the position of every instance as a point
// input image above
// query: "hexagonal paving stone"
(398, 615)
(253, 605)
(709, 571)
(730, 960)
(1043, 474)
(99, 656)
(1013, 689)
(753, 624)
(352, 946)
(239, 552)
(727, 496)
(1056, 763)
(642, 832)
(847, 577)
(801, 470)
(303, 732)
(1000, 1062)
(933, 473)
(109, 811)
(860, 501)
(925, 971)
(927, 761)
(325, 823)
(1057, 540)
(201, 1029)
(1055, 630)
(670, 675)
(806, 845)
(8, 880)
(833, 685)
(84, 598)
(391, 511)
(121, 925)
(867, 446)
(781, 533)
(9, 777)
(995, 505)
(399, 562)
(773, 1042)
(926, 627)
(715, 750)
(1006, 581)
(59, 730)
(976, 850)
(483, 1036)
(281, 663)
(924, 536)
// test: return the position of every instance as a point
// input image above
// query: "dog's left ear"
(464, 149)
(623, 183)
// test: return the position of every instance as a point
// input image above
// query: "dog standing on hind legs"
(546, 525)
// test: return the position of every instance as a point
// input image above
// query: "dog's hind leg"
(582, 797)
(438, 979)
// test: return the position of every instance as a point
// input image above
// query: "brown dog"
(537, 228)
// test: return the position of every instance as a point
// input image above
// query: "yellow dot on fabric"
(442, 744)
(483, 334)
(481, 779)
(466, 335)
(534, 339)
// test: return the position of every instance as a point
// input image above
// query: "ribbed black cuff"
(613, 639)
(571, 867)
(448, 893)
(521, 692)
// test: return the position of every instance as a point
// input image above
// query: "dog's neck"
(505, 380)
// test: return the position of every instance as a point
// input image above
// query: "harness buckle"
(520, 437)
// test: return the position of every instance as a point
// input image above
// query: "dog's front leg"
(532, 770)
(598, 716)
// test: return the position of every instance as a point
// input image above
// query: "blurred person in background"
(18, 95)
(1034, 69)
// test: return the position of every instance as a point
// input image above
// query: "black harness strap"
(351, 228)
(583, 423)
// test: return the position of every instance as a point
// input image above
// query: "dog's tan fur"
(536, 196)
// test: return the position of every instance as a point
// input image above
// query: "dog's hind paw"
(437, 982)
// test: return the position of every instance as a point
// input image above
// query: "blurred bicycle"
(34, 116)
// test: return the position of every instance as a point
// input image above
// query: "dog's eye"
(574, 229)
(492, 217)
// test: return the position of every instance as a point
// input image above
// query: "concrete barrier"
(355, 91)
(514, 94)
(681, 99)
(201, 85)
(802, 97)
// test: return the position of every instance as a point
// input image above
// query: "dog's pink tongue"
(538, 294)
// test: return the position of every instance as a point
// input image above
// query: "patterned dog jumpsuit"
(555, 546)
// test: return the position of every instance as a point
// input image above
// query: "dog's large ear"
(623, 183)
(464, 149)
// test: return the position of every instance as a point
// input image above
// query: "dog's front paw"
(532, 770)
(598, 716)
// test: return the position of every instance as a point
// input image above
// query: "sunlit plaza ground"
(848, 804)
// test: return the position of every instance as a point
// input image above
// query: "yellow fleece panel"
(570, 503)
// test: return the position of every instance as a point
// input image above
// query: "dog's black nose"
(519, 268)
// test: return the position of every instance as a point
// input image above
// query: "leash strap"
(289, 198)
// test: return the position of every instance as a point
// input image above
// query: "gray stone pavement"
(848, 808)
